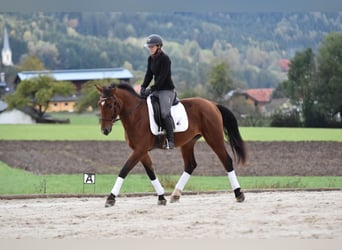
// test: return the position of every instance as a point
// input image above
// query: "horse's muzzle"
(106, 131)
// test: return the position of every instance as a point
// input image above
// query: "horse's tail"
(231, 130)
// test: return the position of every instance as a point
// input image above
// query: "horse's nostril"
(106, 131)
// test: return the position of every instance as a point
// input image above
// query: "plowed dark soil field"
(264, 158)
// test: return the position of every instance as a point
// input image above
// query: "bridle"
(116, 108)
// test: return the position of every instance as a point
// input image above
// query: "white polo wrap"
(182, 181)
(117, 186)
(158, 187)
(233, 180)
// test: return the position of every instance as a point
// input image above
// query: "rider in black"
(159, 67)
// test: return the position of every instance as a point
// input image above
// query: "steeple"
(6, 52)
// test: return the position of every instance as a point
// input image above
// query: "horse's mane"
(124, 86)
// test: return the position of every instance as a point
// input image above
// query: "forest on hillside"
(253, 45)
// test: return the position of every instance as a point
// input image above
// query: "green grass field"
(86, 127)
(16, 181)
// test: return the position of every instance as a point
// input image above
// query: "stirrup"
(169, 145)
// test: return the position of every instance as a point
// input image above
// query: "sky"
(168, 5)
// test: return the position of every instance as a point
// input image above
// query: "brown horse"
(205, 118)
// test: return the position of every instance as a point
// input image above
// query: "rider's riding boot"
(168, 125)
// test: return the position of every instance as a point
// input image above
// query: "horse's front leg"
(147, 163)
(128, 166)
(189, 166)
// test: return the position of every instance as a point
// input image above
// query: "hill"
(253, 44)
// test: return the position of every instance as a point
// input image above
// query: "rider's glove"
(145, 92)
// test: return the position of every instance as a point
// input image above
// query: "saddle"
(156, 110)
(178, 114)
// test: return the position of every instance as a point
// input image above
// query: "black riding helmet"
(154, 39)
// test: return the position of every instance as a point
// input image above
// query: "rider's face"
(153, 49)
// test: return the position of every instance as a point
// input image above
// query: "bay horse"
(205, 118)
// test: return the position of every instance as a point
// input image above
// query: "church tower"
(6, 52)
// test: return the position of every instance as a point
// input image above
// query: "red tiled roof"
(259, 95)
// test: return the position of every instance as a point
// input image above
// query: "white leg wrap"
(182, 181)
(158, 187)
(117, 186)
(233, 180)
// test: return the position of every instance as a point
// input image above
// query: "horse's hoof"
(174, 198)
(110, 201)
(240, 198)
(162, 202)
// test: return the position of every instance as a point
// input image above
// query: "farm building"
(78, 77)
(257, 97)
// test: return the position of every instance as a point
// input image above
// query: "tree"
(220, 81)
(329, 84)
(300, 75)
(300, 84)
(47, 51)
(89, 95)
(30, 62)
(36, 93)
(317, 86)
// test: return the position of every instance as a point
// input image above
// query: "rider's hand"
(143, 92)
(148, 92)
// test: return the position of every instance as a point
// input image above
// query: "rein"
(133, 109)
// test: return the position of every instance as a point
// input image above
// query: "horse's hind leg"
(240, 197)
(189, 166)
(147, 163)
(220, 150)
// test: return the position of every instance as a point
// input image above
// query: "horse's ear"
(99, 89)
